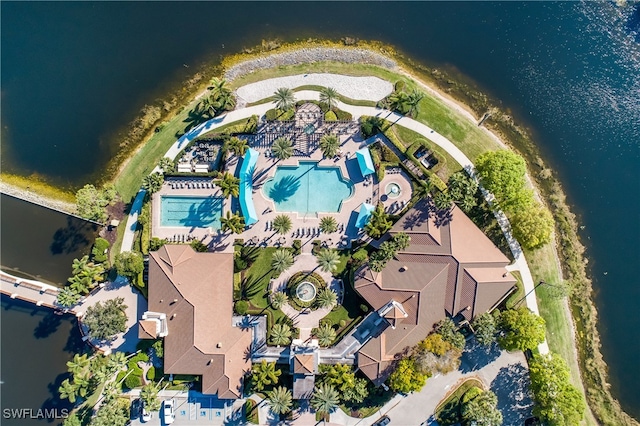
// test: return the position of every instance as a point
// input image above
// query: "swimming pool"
(198, 212)
(308, 188)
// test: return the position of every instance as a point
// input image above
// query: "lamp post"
(515, 305)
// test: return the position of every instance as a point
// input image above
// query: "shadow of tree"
(284, 189)
(73, 237)
(511, 386)
(476, 356)
(205, 212)
(48, 325)
(54, 401)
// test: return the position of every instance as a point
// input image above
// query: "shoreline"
(33, 197)
(545, 188)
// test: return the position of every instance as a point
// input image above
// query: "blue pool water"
(308, 188)
(198, 212)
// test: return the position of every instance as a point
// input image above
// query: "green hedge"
(278, 114)
(99, 250)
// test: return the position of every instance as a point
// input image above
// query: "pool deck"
(178, 187)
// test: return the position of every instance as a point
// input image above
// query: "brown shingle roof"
(147, 329)
(195, 290)
(303, 364)
(448, 266)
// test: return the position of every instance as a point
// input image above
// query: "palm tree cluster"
(379, 223)
(387, 251)
(86, 275)
(462, 189)
(237, 146)
(149, 396)
(221, 99)
(229, 184)
(405, 103)
(264, 374)
(89, 373)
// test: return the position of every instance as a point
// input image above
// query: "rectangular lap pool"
(308, 188)
(197, 212)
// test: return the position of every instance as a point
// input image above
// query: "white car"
(167, 409)
(146, 415)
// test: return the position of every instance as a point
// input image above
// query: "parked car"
(382, 421)
(136, 408)
(167, 409)
(146, 415)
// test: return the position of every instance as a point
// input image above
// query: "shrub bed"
(298, 278)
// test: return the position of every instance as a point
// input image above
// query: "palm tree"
(218, 87)
(81, 382)
(78, 364)
(67, 297)
(93, 271)
(149, 395)
(166, 165)
(207, 106)
(67, 390)
(401, 241)
(280, 400)
(328, 260)
(328, 225)
(80, 284)
(412, 100)
(326, 298)
(442, 201)
(284, 98)
(282, 148)
(329, 96)
(225, 102)
(238, 146)
(281, 260)
(229, 184)
(278, 299)
(117, 361)
(153, 182)
(325, 399)
(79, 265)
(397, 100)
(378, 223)
(325, 334)
(264, 374)
(329, 144)
(280, 334)
(232, 222)
(282, 224)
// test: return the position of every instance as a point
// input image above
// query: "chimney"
(173, 316)
(219, 345)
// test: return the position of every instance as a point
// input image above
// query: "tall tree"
(278, 299)
(413, 101)
(153, 183)
(481, 410)
(521, 329)
(166, 165)
(238, 146)
(284, 98)
(326, 298)
(282, 224)
(329, 97)
(401, 241)
(328, 259)
(106, 320)
(325, 399)
(558, 402)
(503, 174)
(233, 223)
(67, 390)
(406, 377)
(229, 184)
(149, 396)
(379, 223)
(80, 284)
(280, 334)
(67, 297)
(532, 226)
(485, 329)
(264, 374)
(129, 264)
(282, 148)
(328, 224)
(329, 145)
(449, 332)
(91, 202)
(280, 400)
(78, 364)
(281, 260)
(325, 334)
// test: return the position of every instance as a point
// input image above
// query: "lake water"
(75, 73)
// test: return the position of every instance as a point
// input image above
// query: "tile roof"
(195, 291)
(449, 265)
(147, 329)
(303, 364)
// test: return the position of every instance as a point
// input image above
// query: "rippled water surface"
(73, 73)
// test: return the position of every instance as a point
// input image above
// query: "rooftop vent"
(219, 345)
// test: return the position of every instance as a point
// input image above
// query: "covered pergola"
(364, 215)
(365, 162)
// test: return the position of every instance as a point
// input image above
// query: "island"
(318, 234)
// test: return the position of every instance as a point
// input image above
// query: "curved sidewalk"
(520, 262)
